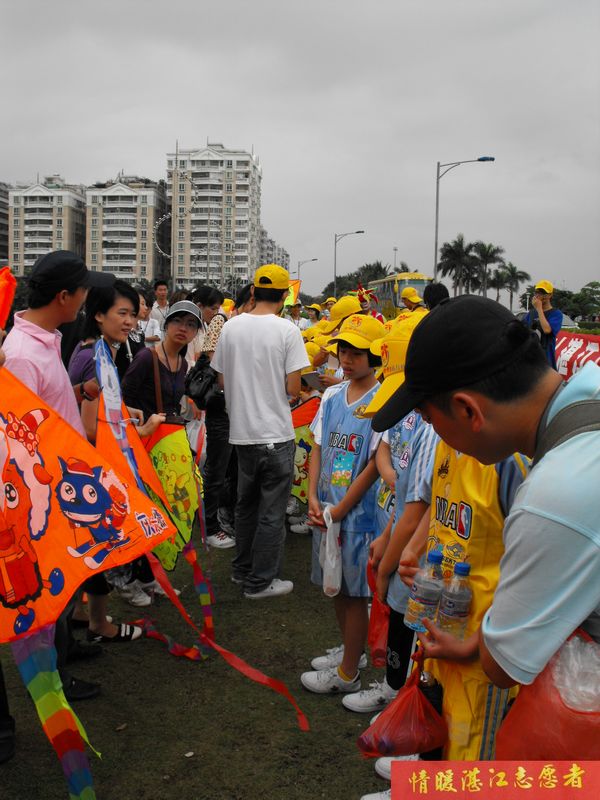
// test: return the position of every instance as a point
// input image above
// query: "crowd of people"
(423, 441)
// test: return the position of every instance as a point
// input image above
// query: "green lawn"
(244, 738)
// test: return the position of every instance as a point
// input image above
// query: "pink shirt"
(33, 356)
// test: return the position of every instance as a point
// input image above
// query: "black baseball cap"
(63, 269)
(459, 343)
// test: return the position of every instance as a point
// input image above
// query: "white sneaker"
(134, 595)
(334, 657)
(220, 540)
(302, 526)
(274, 589)
(385, 795)
(296, 520)
(154, 587)
(376, 697)
(328, 681)
(383, 766)
(226, 521)
(292, 507)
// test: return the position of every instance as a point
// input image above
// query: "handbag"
(202, 386)
(379, 623)
(330, 555)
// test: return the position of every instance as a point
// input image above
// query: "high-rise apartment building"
(42, 217)
(121, 215)
(271, 252)
(4, 190)
(214, 195)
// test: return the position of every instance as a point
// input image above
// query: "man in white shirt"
(160, 307)
(296, 319)
(259, 358)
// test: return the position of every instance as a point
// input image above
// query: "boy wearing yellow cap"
(545, 320)
(342, 473)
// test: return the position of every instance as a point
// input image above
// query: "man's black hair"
(160, 282)
(269, 295)
(434, 293)
(99, 301)
(38, 297)
(512, 382)
(207, 296)
(243, 296)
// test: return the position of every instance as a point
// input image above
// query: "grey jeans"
(265, 473)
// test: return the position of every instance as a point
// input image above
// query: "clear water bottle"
(455, 602)
(425, 593)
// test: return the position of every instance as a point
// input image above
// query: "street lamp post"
(395, 254)
(337, 237)
(306, 261)
(439, 175)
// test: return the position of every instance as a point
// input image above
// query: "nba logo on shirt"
(354, 443)
(465, 515)
(409, 422)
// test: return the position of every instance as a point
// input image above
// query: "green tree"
(514, 278)
(457, 261)
(349, 283)
(485, 255)
(498, 282)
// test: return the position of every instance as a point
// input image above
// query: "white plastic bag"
(330, 555)
(576, 673)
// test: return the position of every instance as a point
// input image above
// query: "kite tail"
(35, 658)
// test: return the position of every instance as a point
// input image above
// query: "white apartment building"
(271, 252)
(44, 216)
(214, 196)
(4, 190)
(121, 215)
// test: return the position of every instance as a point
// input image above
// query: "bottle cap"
(434, 556)
(462, 568)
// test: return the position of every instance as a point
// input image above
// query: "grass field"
(244, 738)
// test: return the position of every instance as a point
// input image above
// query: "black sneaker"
(75, 689)
(7, 739)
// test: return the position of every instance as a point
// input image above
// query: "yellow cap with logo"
(272, 276)
(410, 293)
(393, 349)
(397, 327)
(360, 331)
(345, 307)
(314, 330)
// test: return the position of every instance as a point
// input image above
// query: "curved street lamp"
(337, 237)
(306, 261)
(439, 175)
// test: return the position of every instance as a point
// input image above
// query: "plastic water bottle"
(455, 602)
(425, 593)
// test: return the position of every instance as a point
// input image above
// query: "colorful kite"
(302, 416)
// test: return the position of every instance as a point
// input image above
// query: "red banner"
(574, 350)
(491, 780)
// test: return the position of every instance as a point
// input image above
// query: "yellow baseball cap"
(411, 294)
(314, 306)
(321, 341)
(393, 349)
(228, 305)
(345, 307)
(272, 276)
(314, 330)
(359, 331)
(545, 286)
(397, 327)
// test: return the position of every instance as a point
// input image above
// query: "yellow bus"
(388, 290)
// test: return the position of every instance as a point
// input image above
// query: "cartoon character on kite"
(95, 501)
(24, 509)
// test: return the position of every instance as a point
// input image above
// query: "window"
(229, 164)
(143, 234)
(59, 234)
(94, 211)
(143, 245)
(170, 163)
(95, 198)
(94, 258)
(143, 199)
(228, 187)
(181, 234)
(16, 245)
(144, 222)
(181, 270)
(180, 259)
(144, 212)
(94, 234)
(180, 247)
(59, 222)
(182, 187)
(182, 198)
(182, 163)
(182, 223)
(228, 210)
(143, 258)
(181, 210)
(59, 201)
(16, 201)
(94, 246)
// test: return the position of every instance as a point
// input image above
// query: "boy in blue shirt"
(342, 473)
(545, 320)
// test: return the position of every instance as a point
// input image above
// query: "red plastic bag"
(379, 622)
(541, 727)
(410, 724)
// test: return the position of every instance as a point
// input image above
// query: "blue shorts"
(355, 555)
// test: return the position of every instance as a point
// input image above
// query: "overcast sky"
(349, 106)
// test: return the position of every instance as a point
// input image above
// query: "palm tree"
(486, 254)
(514, 278)
(498, 282)
(456, 260)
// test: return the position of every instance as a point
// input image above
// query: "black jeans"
(218, 454)
(265, 473)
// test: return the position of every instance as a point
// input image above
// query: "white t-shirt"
(160, 315)
(254, 354)
(149, 327)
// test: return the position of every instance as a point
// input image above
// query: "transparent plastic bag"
(330, 555)
(541, 725)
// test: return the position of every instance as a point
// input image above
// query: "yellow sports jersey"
(469, 502)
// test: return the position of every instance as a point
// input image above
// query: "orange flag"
(65, 512)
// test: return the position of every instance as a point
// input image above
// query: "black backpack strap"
(570, 421)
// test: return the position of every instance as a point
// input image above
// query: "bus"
(388, 290)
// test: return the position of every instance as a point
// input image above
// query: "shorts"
(355, 555)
